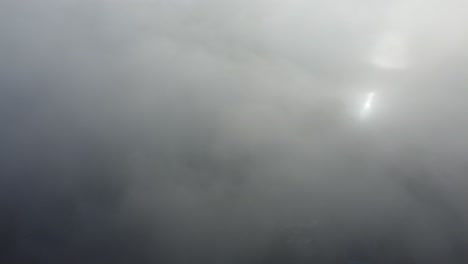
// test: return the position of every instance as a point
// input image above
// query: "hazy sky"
(215, 131)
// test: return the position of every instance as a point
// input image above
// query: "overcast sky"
(216, 131)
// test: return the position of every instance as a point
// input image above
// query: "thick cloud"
(203, 131)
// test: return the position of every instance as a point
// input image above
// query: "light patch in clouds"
(390, 52)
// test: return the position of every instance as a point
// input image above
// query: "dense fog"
(216, 131)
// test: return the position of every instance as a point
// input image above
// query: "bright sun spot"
(367, 105)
